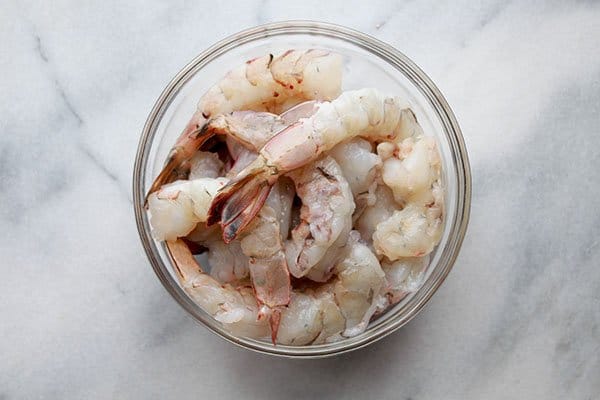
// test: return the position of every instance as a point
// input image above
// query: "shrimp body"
(358, 163)
(228, 263)
(267, 264)
(235, 308)
(412, 174)
(205, 164)
(366, 112)
(326, 213)
(382, 209)
(268, 83)
(411, 232)
(248, 131)
(359, 285)
(361, 168)
(342, 307)
(178, 207)
(403, 276)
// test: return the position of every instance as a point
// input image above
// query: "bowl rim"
(384, 51)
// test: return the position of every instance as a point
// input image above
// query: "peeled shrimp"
(360, 166)
(365, 112)
(265, 83)
(227, 263)
(358, 163)
(302, 321)
(268, 268)
(178, 207)
(412, 174)
(359, 284)
(253, 129)
(412, 232)
(235, 308)
(326, 215)
(205, 164)
(403, 276)
(342, 307)
(382, 209)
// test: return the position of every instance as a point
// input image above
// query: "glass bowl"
(368, 62)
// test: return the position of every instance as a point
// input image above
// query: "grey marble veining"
(82, 315)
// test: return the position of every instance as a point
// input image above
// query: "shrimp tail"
(274, 320)
(177, 165)
(238, 202)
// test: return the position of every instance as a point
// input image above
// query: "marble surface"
(82, 314)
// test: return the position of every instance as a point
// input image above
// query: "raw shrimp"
(358, 163)
(255, 143)
(326, 213)
(412, 174)
(178, 207)
(228, 263)
(235, 308)
(403, 276)
(265, 83)
(247, 132)
(263, 245)
(185, 202)
(360, 167)
(268, 268)
(332, 319)
(359, 284)
(342, 307)
(311, 317)
(253, 129)
(302, 321)
(205, 164)
(364, 112)
(412, 232)
(381, 210)
(414, 177)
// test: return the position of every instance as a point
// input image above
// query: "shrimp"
(326, 213)
(335, 310)
(403, 276)
(205, 164)
(185, 202)
(178, 207)
(255, 129)
(268, 268)
(382, 209)
(412, 232)
(365, 112)
(358, 289)
(227, 262)
(302, 321)
(412, 174)
(265, 83)
(342, 307)
(360, 167)
(312, 317)
(414, 178)
(235, 308)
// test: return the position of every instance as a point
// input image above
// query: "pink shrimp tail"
(177, 166)
(237, 203)
(274, 320)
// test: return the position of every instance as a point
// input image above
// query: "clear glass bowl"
(368, 62)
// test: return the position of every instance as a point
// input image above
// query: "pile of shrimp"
(316, 209)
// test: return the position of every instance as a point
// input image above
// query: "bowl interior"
(367, 63)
